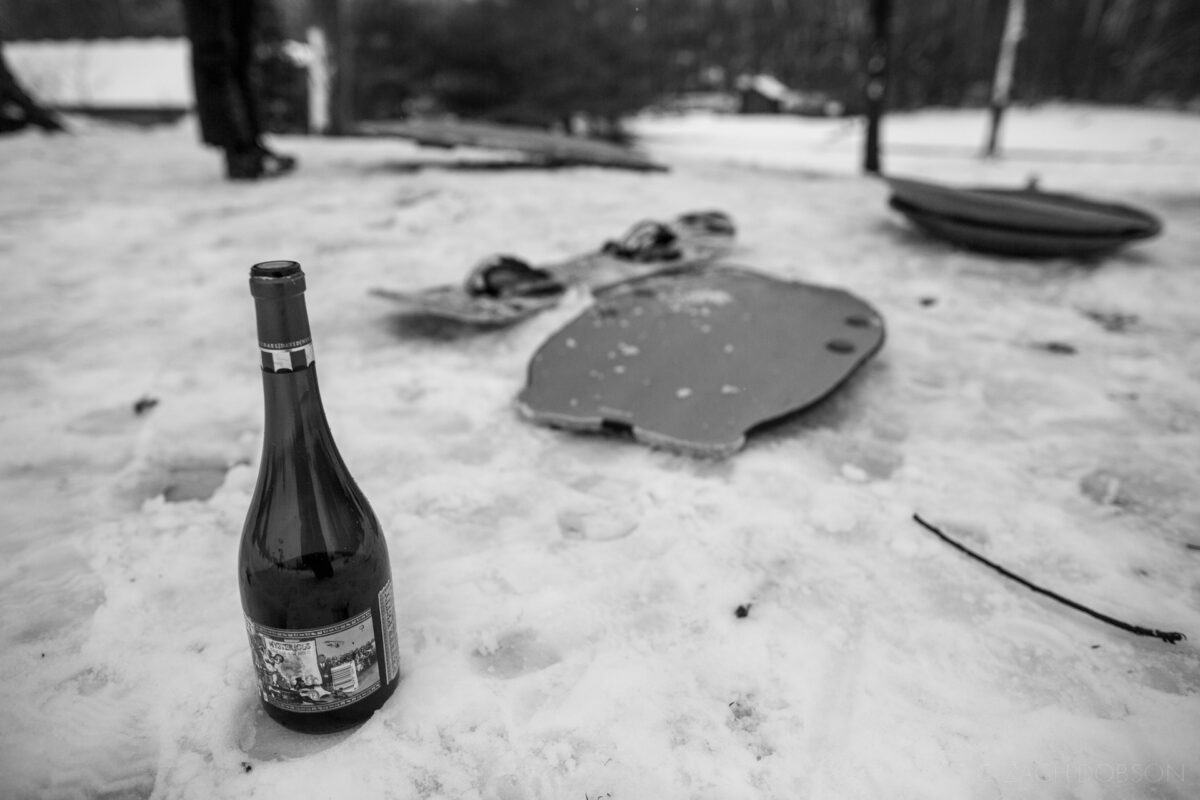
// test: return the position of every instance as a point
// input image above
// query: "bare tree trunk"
(319, 84)
(877, 74)
(331, 74)
(1014, 30)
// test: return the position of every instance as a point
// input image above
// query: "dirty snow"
(582, 616)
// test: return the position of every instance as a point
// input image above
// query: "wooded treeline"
(539, 60)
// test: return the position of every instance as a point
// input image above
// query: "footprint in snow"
(514, 654)
(744, 721)
(595, 524)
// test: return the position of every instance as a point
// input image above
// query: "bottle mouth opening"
(276, 279)
(276, 269)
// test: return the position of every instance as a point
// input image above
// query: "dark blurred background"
(544, 62)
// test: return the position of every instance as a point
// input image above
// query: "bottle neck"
(290, 391)
(284, 338)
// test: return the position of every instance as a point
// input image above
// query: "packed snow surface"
(582, 616)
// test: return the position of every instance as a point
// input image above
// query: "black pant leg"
(221, 37)
(245, 28)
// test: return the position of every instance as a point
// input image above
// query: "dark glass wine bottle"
(313, 566)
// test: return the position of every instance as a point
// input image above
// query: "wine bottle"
(313, 567)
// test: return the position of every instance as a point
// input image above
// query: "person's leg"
(242, 25)
(246, 23)
(225, 120)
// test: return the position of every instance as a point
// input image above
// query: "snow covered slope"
(569, 604)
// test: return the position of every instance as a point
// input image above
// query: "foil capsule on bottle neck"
(273, 279)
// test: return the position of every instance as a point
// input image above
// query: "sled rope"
(1170, 637)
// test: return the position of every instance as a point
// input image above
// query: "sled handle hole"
(857, 321)
(840, 346)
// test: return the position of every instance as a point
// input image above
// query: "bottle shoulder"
(313, 504)
(308, 559)
(309, 521)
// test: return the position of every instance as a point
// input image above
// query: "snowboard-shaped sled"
(690, 360)
(541, 147)
(503, 289)
(1020, 222)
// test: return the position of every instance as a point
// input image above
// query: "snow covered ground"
(567, 603)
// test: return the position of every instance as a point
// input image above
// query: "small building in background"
(760, 94)
(765, 94)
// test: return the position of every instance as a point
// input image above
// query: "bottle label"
(286, 357)
(391, 645)
(322, 669)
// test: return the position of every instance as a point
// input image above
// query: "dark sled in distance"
(1020, 222)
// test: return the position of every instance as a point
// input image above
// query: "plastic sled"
(693, 359)
(1020, 222)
